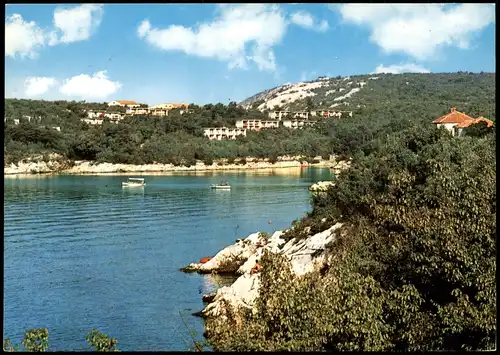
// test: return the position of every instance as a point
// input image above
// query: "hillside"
(381, 105)
(467, 91)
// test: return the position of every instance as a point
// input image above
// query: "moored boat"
(134, 182)
(220, 187)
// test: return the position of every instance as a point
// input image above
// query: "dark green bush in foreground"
(36, 340)
(413, 269)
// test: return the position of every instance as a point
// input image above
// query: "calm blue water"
(80, 252)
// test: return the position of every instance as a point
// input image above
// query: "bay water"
(81, 252)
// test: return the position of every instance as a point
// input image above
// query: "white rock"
(301, 254)
(242, 293)
(321, 186)
(303, 259)
(230, 258)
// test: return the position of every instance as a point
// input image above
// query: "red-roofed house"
(456, 121)
(460, 127)
(451, 119)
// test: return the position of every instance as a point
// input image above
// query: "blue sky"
(156, 53)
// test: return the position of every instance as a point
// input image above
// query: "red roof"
(453, 117)
(474, 121)
(126, 102)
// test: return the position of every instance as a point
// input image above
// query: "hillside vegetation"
(383, 105)
(414, 266)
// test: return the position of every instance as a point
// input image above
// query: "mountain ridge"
(342, 93)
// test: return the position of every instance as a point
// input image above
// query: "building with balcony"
(158, 111)
(123, 103)
(137, 111)
(297, 123)
(224, 133)
(278, 115)
(331, 113)
(256, 125)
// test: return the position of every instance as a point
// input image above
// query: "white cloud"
(70, 25)
(419, 29)
(76, 24)
(402, 68)
(22, 37)
(228, 37)
(98, 86)
(36, 86)
(239, 34)
(306, 20)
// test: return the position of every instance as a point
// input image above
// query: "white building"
(278, 115)
(331, 113)
(123, 103)
(224, 133)
(455, 121)
(137, 111)
(295, 124)
(256, 125)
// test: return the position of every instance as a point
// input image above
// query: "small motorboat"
(134, 182)
(223, 185)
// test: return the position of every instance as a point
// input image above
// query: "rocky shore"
(89, 167)
(242, 258)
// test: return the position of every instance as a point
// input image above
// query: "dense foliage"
(413, 268)
(387, 105)
(36, 340)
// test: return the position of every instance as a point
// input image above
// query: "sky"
(209, 53)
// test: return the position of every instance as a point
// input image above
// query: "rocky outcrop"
(91, 167)
(308, 254)
(305, 255)
(340, 166)
(321, 186)
(36, 167)
(229, 259)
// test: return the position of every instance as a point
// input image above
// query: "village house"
(123, 103)
(224, 133)
(455, 121)
(460, 127)
(256, 125)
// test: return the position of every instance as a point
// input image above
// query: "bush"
(414, 267)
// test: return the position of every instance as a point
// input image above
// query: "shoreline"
(87, 167)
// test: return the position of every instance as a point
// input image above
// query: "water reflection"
(212, 282)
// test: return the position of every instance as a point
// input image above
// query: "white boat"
(220, 187)
(134, 182)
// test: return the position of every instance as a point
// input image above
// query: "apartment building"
(256, 125)
(224, 133)
(297, 123)
(123, 103)
(278, 115)
(158, 110)
(137, 111)
(101, 115)
(331, 113)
